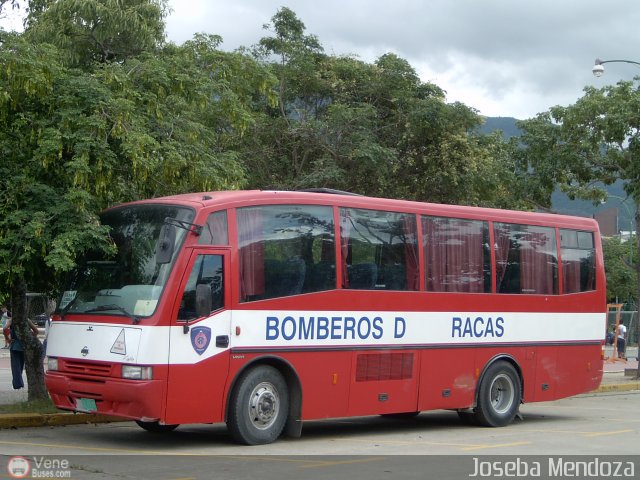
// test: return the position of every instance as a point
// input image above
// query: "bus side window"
(379, 250)
(207, 272)
(578, 261)
(526, 259)
(285, 250)
(215, 230)
(457, 256)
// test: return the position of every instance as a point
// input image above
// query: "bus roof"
(239, 198)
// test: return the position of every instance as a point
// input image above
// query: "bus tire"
(499, 395)
(258, 406)
(156, 427)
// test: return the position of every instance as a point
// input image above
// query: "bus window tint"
(215, 230)
(207, 272)
(526, 259)
(379, 250)
(578, 261)
(285, 250)
(457, 256)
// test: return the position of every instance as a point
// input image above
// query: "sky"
(509, 58)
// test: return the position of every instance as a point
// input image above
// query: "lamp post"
(598, 69)
(630, 217)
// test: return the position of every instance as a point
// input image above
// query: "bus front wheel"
(499, 395)
(258, 406)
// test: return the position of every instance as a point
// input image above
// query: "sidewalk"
(613, 380)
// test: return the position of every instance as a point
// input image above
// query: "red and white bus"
(263, 309)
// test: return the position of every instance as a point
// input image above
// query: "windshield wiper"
(103, 308)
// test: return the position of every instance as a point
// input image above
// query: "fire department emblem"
(200, 339)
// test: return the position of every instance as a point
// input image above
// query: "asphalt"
(619, 376)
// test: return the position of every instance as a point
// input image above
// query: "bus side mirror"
(203, 300)
(165, 245)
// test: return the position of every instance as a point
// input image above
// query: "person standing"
(5, 320)
(622, 335)
(16, 350)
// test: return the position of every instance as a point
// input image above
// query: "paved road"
(588, 424)
(603, 425)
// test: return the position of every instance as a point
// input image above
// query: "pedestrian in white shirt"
(622, 335)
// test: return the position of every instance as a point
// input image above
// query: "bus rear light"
(52, 364)
(136, 372)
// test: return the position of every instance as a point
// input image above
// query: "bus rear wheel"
(156, 427)
(258, 406)
(499, 395)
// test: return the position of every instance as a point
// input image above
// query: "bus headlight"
(136, 372)
(52, 364)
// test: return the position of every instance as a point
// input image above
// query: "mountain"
(506, 124)
(560, 203)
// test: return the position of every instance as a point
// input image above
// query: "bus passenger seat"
(363, 276)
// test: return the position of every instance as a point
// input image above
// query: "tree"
(89, 31)
(74, 141)
(375, 129)
(298, 55)
(621, 279)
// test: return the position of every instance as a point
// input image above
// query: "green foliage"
(621, 276)
(89, 31)
(76, 141)
(596, 140)
(370, 128)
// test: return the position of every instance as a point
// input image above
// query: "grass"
(34, 406)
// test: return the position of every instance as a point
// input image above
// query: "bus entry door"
(199, 340)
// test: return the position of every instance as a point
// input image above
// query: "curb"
(24, 420)
(618, 387)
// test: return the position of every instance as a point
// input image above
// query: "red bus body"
(341, 351)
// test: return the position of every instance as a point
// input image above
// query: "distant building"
(608, 222)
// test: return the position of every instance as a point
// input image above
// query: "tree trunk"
(33, 351)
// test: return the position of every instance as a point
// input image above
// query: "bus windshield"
(129, 282)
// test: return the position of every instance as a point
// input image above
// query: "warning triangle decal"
(119, 346)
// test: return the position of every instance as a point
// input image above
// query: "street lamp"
(598, 69)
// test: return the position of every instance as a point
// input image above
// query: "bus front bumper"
(133, 399)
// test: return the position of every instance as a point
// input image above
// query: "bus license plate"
(86, 405)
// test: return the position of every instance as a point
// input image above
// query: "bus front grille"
(87, 368)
